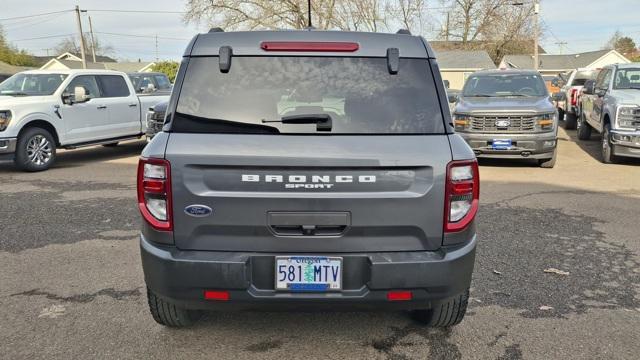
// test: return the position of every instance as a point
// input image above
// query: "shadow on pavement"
(592, 147)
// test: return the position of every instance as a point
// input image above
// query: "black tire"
(445, 314)
(570, 121)
(548, 163)
(168, 314)
(114, 144)
(560, 114)
(584, 129)
(608, 157)
(35, 150)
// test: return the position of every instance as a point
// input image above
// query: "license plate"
(308, 273)
(501, 144)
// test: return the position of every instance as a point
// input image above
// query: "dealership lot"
(72, 285)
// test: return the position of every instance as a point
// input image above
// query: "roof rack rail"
(403, 32)
(216, 29)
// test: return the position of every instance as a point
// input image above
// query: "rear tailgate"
(297, 193)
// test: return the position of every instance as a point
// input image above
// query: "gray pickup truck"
(610, 105)
(508, 114)
(308, 170)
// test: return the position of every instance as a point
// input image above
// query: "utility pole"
(561, 45)
(446, 36)
(536, 10)
(157, 59)
(84, 60)
(93, 40)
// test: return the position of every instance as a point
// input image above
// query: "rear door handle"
(133, 105)
(102, 107)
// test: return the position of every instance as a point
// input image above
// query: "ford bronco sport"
(308, 170)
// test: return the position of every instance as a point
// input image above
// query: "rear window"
(582, 77)
(358, 94)
(113, 86)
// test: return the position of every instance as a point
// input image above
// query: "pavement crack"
(84, 297)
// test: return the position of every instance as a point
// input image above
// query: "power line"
(138, 11)
(141, 36)
(35, 15)
(44, 37)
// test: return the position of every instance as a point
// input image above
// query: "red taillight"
(574, 96)
(216, 295)
(399, 295)
(462, 193)
(318, 46)
(154, 193)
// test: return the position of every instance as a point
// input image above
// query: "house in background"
(457, 65)
(74, 61)
(556, 64)
(6, 70)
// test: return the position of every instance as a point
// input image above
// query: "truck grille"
(155, 122)
(508, 123)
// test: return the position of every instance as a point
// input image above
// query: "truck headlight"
(461, 121)
(5, 118)
(545, 122)
(628, 116)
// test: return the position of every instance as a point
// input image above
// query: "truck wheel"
(113, 144)
(608, 157)
(584, 129)
(35, 150)
(560, 114)
(570, 121)
(167, 314)
(548, 163)
(448, 313)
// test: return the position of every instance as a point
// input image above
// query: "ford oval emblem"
(198, 210)
(503, 123)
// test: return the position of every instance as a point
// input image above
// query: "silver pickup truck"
(610, 105)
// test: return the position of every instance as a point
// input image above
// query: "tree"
(170, 68)
(11, 55)
(359, 15)
(620, 43)
(72, 45)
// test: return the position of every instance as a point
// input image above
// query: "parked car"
(317, 169)
(571, 91)
(452, 97)
(41, 111)
(508, 114)
(155, 119)
(150, 82)
(610, 105)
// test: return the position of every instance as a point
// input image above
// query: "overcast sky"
(583, 24)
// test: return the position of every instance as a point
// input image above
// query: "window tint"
(31, 84)
(627, 79)
(114, 86)
(359, 95)
(603, 79)
(88, 82)
(163, 82)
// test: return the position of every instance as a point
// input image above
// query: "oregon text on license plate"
(308, 273)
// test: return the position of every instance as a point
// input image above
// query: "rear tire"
(35, 150)
(608, 157)
(560, 114)
(584, 129)
(168, 314)
(445, 314)
(548, 163)
(570, 121)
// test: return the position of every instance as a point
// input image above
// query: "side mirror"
(452, 98)
(446, 83)
(559, 96)
(589, 87)
(554, 82)
(150, 88)
(80, 94)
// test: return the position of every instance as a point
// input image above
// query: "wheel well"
(606, 120)
(43, 125)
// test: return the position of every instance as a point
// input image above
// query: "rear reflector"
(318, 46)
(216, 295)
(399, 295)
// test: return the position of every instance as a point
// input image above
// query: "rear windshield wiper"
(323, 121)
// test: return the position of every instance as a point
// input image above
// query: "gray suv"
(308, 170)
(508, 114)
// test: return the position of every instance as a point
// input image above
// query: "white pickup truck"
(44, 110)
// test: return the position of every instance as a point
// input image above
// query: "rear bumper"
(532, 146)
(183, 276)
(626, 143)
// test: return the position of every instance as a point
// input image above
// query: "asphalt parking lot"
(71, 284)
